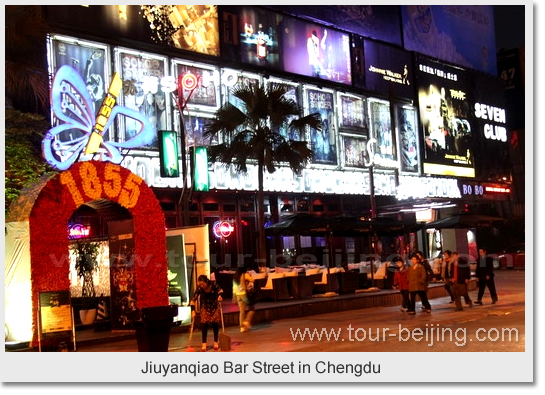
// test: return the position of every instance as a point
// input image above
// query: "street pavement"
(372, 329)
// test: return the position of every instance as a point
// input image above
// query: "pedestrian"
(243, 295)
(445, 273)
(401, 282)
(430, 275)
(485, 276)
(207, 303)
(417, 285)
(459, 278)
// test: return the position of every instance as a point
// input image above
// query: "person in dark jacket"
(485, 276)
(460, 275)
(445, 274)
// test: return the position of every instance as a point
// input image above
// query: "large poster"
(408, 138)
(122, 273)
(353, 115)
(459, 34)
(291, 94)
(381, 125)
(444, 114)
(206, 91)
(194, 126)
(354, 151)
(141, 74)
(91, 61)
(323, 142)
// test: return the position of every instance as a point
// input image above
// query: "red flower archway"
(62, 195)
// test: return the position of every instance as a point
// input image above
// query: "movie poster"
(323, 142)
(141, 75)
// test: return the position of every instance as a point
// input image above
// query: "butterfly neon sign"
(79, 131)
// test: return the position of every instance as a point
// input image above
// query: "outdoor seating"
(275, 288)
(348, 282)
(329, 282)
(300, 286)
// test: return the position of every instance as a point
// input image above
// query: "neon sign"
(77, 231)
(222, 229)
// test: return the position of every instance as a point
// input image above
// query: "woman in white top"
(243, 284)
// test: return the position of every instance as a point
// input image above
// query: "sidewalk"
(266, 313)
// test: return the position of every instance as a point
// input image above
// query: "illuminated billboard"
(197, 28)
(168, 153)
(444, 109)
(388, 70)
(459, 34)
(258, 36)
(315, 51)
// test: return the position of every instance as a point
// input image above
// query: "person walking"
(430, 275)
(243, 282)
(485, 276)
(417, 285)
(460, 276)
(206, 302)
(446, 273)
(401, 282)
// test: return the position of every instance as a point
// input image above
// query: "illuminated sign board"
(485, 191)
(168, 153)
(448, 131)
(309, 181)
(491, 120)
(200, 177)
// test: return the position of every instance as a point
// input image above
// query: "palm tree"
(254, 133)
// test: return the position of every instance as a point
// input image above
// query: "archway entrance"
(87, 182)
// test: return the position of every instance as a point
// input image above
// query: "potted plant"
(86, 253)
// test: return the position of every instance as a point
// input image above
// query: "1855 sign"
(106, 182)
